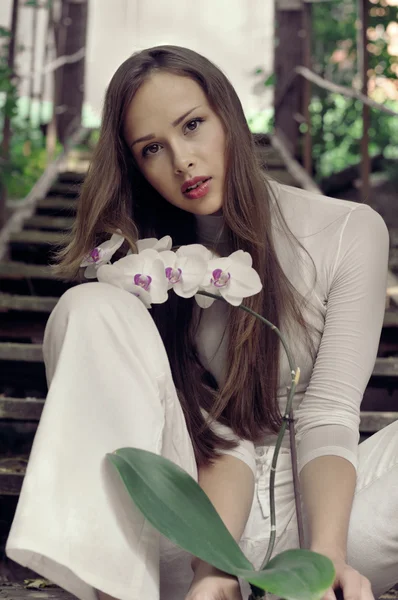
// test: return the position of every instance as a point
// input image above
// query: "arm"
(229, 484)
(328, 486)
(327, 420)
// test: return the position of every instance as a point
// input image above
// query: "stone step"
(48, 223)
(12, 473)
(393, 260)
(31, 586)
(393, 231)
(21, 278)
(11, 351)
(56, 207)
(23, 327)
(386, 367)
(35, 236)
(46, 304)
(30, 409)
(35, 246)
(373, 421)
(71, 177)
(66, 189)
(18, 270)
(391, 318)
(21, 409)
(13, 468)
(27, 303)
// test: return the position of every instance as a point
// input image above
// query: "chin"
(214, 209)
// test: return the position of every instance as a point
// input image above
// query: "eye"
(147, 149)
(197, 120)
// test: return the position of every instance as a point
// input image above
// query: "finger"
(329, 595)
(351, 585)
(366, 590)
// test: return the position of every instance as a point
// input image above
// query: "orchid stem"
(257, 593)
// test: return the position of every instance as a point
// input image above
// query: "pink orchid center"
(95, 255)
(143, 281)
(173, 275)
(220, 278)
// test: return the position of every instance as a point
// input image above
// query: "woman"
(170, 116)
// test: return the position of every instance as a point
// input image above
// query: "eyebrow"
(150, 136)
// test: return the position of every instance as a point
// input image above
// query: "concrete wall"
(237, 35)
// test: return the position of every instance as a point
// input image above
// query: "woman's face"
(184, 139)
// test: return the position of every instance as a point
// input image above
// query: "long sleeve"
(327, 420)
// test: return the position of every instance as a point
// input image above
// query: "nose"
(182, 160)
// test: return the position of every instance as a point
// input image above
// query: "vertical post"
(363, 66)
(51, 132)
(288, 55)
(31, 93)
(5, 146)
(72, 86)
(46, 54)
(11, 60)
(307, 18)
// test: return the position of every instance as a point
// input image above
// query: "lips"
(193, 181)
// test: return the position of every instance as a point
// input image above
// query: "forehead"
(161, 99)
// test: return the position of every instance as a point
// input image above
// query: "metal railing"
(319, 81)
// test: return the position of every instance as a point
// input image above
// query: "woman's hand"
(210, 583)
(353, 585)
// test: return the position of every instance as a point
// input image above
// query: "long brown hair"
(115, 195)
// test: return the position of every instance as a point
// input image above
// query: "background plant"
(336, 122)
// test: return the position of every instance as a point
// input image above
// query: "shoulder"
(310, 214)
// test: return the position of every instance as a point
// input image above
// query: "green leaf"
(271, 80)
(177, 506)
(174, 503)
(4, 32)
(294, 575)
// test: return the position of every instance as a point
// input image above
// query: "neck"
(211, 230)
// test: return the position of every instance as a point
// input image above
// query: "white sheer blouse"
(349, 244)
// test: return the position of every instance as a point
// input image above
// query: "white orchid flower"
(186, 268)
(165, 243)
(231, 277)
(101, 255)
(140, 274)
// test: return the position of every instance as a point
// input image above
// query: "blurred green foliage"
(28, 160)
(336, 121)
(27, 157)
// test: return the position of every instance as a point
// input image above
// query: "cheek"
(218, 143)
(156, 178)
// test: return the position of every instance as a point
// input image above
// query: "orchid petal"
(234, 300)
(159, 284)
(144, 296)
(149, 253)
(244, 283)
(181, 291)
(241, 257)
(114, 276)
(91, 272)
(113, 243)
(204, 301)
(195, 250)
(165, 243)
(169, 258)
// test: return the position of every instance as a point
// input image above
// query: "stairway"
(28, 293)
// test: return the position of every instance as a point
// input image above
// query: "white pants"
(110, 387)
